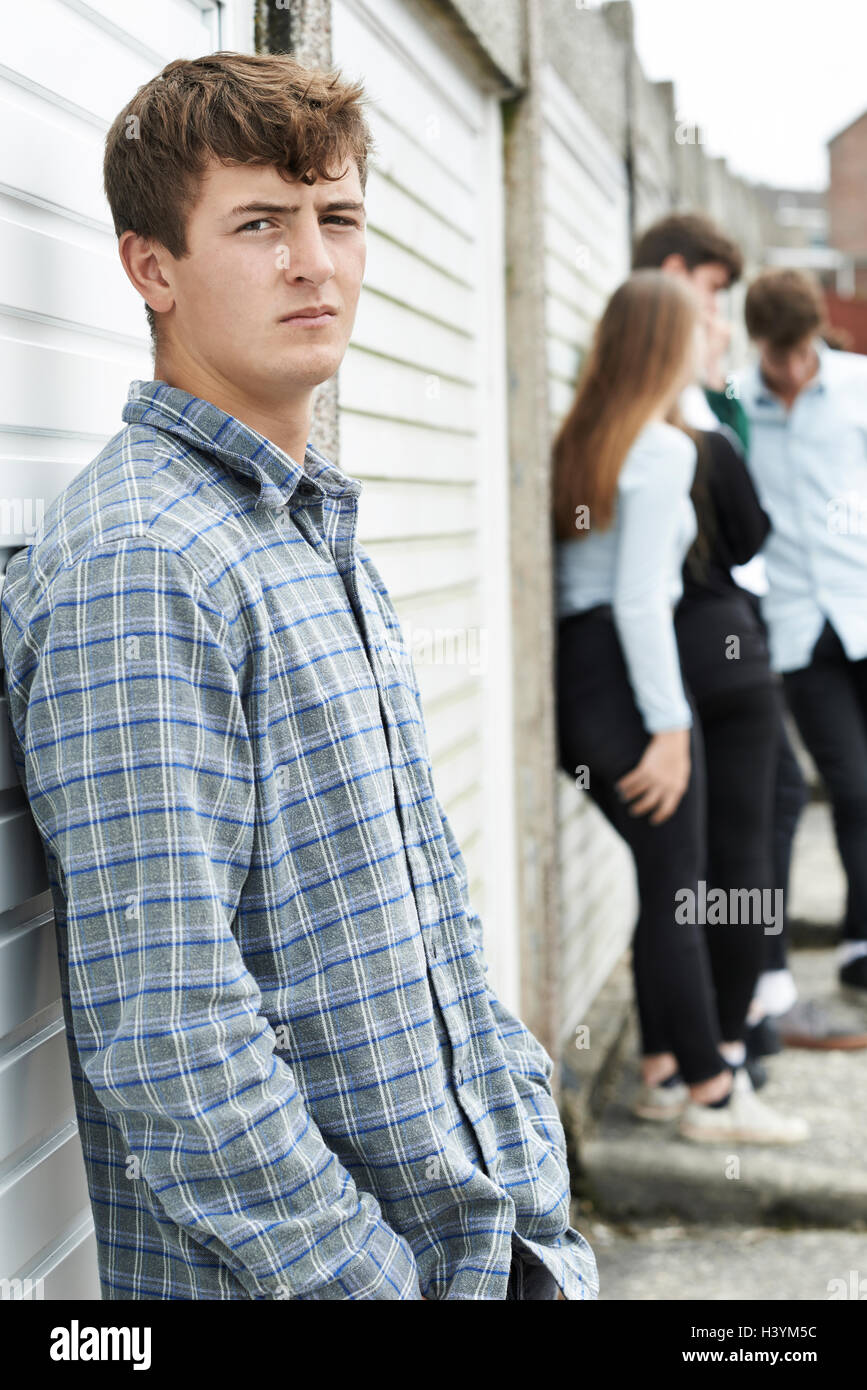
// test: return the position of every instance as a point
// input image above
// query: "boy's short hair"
(234, 107)
(783, 307)
(690, 235)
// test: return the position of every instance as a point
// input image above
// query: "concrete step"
(674, 1262)
(638, 1169)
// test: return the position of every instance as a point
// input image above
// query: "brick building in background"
(847, 227)
(847, 197)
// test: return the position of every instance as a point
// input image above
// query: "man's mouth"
(313, 317)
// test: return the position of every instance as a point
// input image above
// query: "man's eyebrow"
(337, 205)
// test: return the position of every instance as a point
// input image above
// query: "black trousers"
(529, 1279)
(790, 798)
(704, 621)
(828, 699)
(741, 731)
(600, 728)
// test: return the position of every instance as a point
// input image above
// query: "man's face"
(261, 249)
(708, 282)
(787, 370)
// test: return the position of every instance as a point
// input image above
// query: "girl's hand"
(659, 780)
(717, 335)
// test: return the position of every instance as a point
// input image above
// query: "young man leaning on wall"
(807, 409)
(292, 1076)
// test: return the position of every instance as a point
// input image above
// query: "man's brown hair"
(234, 107)
(784, 307)
(690, 235)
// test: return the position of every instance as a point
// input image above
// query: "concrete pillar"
(531, 547)
(303, 28)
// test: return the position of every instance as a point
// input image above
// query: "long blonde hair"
(640, 348)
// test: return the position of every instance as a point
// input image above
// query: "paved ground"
(675, 1262)
(671, 1220)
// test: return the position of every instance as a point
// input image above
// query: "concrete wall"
(587, 49)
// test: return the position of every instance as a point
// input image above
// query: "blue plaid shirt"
(292, 1077)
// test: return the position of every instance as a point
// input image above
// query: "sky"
(769, 81)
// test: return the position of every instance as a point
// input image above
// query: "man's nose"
(308, 256)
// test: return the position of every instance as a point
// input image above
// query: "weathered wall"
(497, 26)
(585, 48)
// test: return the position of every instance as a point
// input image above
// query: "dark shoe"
(853, 980)
(763, 1039)
(809, 1024)
(756, 1071)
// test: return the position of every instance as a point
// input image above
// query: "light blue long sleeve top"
(635, 565)
(809, 465)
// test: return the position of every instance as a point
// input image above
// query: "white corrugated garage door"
(423, 420)
(586, 255)
(72, 336)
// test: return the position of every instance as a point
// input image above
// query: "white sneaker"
(745, 1120)
(660, 1102)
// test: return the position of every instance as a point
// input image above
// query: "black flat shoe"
(756, 1071)
(763, 1039)
(853, 980)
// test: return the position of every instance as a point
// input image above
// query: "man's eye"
(344, 221)
(256, 221)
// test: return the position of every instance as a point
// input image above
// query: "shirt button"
(460, 1077)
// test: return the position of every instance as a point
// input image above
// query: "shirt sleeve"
(743, 523)
(530, 1064)
(653, 484)
(140, 773)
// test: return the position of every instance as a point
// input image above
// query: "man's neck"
(287, 426)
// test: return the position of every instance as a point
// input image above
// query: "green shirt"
(729, 411)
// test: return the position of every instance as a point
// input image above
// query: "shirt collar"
(238, 446)
(763, 396)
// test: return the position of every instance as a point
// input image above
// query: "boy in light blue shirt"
(807, 410)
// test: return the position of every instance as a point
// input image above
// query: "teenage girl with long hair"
(623, 523)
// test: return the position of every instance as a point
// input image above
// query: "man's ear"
(139, 257)
(674, 264)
